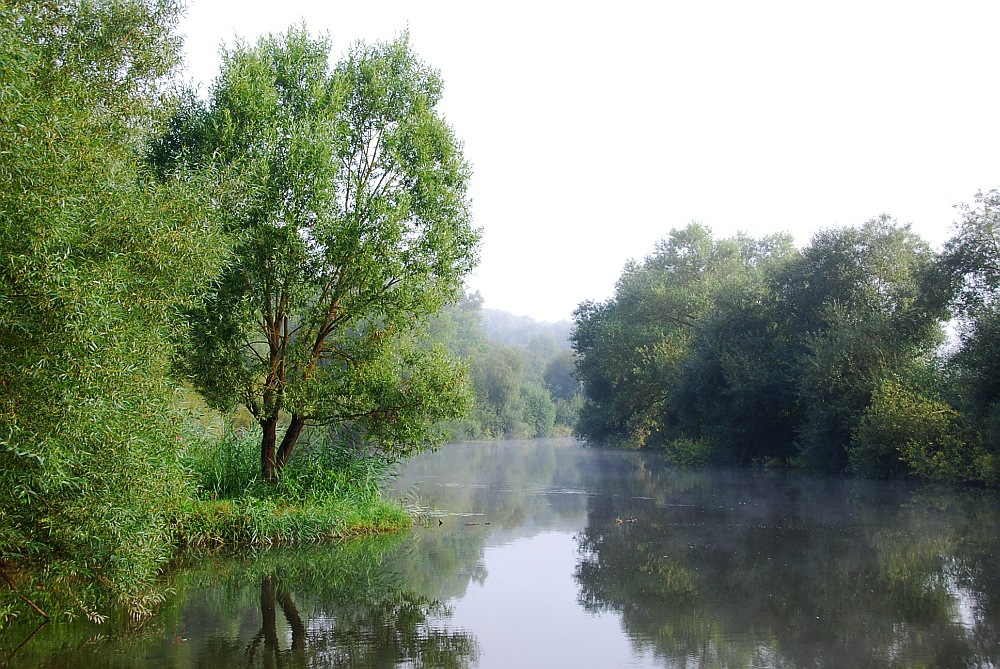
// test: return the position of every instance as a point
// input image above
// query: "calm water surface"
(544, 554)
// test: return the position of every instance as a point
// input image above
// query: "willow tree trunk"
(288, 442)
(273, 458)
(268, 468)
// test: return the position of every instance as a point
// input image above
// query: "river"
(542, 553)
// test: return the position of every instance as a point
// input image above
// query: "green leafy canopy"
(345, 193)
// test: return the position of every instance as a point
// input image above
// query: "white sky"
(595, 128)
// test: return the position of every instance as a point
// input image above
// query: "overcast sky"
(595, 128)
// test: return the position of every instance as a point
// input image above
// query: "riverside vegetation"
(280, 246)
(835, 357)
(223, 320)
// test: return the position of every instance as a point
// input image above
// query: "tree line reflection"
(747, 568)
(738, 570)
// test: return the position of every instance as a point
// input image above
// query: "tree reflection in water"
(707, 569)
(392, 632)
(758, 570)
(333, 606)
(271, 591)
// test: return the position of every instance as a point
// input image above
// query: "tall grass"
(224, 467)
(330, 489)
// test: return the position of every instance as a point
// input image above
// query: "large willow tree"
(345, 193)
(94, 260)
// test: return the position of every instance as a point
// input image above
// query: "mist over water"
(726, 568)
(543, 553)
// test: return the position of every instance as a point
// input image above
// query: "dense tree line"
(831, 357)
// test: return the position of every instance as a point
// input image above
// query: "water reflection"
(320, 606)
(541, 553)
(722, 568)
(738, 570)
(271, 593)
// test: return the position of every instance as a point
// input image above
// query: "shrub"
(904, 432)
(689, 452)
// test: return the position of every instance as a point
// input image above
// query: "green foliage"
(903, 432)
(96, 259)
(971, 265)
(567, 412)
(345, 194)
(743, 351)
(861, 309)
(224, 467)
(560, 376)
(632, 349)
(977, 366)
(514, 399)
(497, 373)
(689, 452)
(254, 520)
(103, 248)
(971, 257)
(330, 490)
(737, 389)
(328, 463)
(539, 410)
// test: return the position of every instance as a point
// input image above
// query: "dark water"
(544, 554)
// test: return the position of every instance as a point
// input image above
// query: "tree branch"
(27, 601)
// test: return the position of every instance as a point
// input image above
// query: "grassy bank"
(330, 490)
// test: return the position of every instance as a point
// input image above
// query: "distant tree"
(513, 399)
(346, 194)
(497, 373)
(459, 326)
(539, 410)
(541, 349)
(505, 328)
(560, 376)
